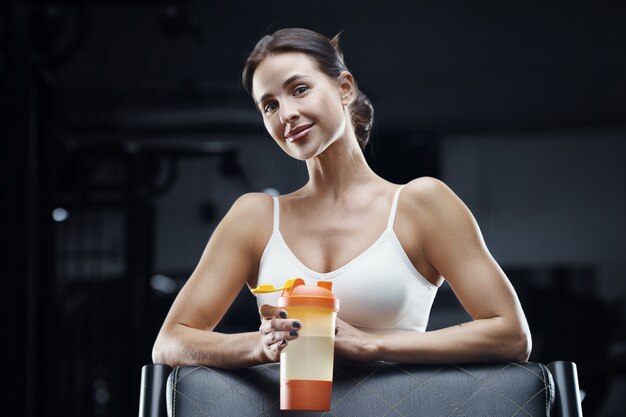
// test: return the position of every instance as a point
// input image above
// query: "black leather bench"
(370, 389)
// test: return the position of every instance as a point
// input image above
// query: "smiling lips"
(298, 132)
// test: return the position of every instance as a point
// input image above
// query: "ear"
(347, 88)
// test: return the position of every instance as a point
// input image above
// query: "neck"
(340, 169)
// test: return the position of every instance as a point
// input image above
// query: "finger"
(274, 351)
(269, 312)
(271, 338)
(281, 346)
(279, 325)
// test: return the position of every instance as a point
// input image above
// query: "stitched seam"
(190, 399)
(545, 384)
(543, 378)
(458, 407)
(355, 387)
(391, 406)
(424, 384)
(363, 386)
(234, 386)
(175, 391)
(482, 384)
(520, 407)
(194, 403)
(546, 388)
(526, 369)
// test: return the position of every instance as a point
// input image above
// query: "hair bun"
(362, 113)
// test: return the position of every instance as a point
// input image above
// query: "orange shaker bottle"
(306, 364)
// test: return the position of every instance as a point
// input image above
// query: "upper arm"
(229, 259)
(454, 246)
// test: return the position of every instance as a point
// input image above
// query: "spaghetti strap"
(276, 213)
(394, 208)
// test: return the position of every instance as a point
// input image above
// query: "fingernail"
(284, 342)
(296, 324)
(283, 315)
(293, 333)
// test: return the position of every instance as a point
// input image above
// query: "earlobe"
(346, 85)
(347, 98)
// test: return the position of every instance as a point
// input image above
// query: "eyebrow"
(285, 84)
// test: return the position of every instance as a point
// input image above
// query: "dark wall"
(126, 136)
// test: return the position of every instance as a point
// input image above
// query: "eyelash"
(295, 89)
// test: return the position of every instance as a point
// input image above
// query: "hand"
(352, 343)
(276, 331)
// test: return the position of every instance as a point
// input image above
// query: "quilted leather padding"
(371, 389)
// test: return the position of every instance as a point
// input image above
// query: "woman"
(386, 247)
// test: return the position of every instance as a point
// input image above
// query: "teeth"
(291, 137)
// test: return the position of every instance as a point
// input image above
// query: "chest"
(326, 240)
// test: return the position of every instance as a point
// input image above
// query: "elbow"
(521, 346)
(515, 344)
(162, 352)
(158, 354)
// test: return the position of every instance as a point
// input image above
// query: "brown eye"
(269, 107)
(301, 88)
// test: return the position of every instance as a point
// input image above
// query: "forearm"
(476, 341)
(182, 345)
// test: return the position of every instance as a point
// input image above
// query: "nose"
(288, 112)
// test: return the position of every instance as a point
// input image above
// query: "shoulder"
(250, 219)
(433, 203)
(252, 205)
(250, 211)
(429, 192)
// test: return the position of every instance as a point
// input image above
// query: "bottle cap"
(298, 294)
(265, 288)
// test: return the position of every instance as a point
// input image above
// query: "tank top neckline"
(327, 275)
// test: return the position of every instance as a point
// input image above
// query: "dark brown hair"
(329, 57)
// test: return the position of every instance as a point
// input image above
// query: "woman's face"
(292, 93)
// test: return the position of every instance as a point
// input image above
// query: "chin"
(303, 151)
(306, 149)
(303, 156)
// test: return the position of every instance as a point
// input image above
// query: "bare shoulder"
(252, 206)
(250, 218)
(430, 193)
(440, 211)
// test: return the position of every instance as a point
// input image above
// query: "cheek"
(273, 128)
(332, 108)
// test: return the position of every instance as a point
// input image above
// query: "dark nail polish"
(296, 324)
(282, 315)
(293, 333)
(284, 342)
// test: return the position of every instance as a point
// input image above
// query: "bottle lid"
(298, 294)
(265, 288)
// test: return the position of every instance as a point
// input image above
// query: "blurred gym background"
(125, 136)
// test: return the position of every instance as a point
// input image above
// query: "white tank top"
(379, 290)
